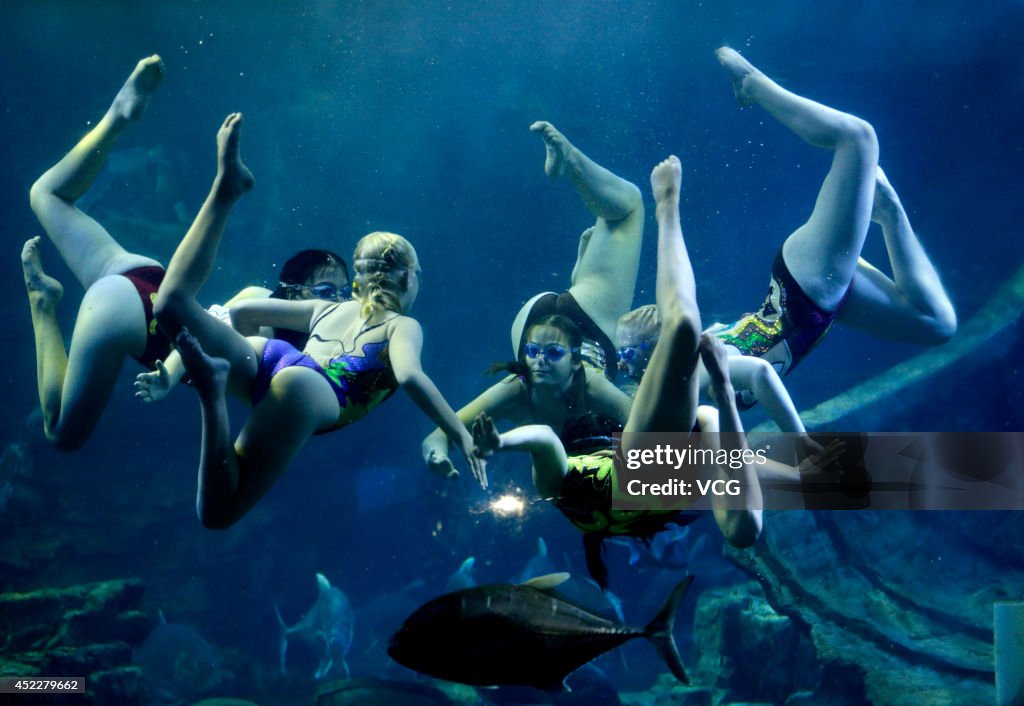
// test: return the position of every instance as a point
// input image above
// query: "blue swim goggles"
(327, 291)
(552, 353)
(627, 354)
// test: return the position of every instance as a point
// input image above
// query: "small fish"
(177, 663)
(521, 634)
(327, 627)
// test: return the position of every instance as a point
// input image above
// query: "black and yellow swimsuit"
(586, 500)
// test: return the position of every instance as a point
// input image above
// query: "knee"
(680, 328)
(861, 134)
(744, 531)
(66, 443)
(212, 520)
(944, 327)
(38, 195)
(634, 198)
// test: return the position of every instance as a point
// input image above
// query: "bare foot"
(716, 360)
(235, 178)
(665, 180)
(209, 375)
(42, 289)
(739, 70)
(559, 149)
(131, 101)
(887, 202)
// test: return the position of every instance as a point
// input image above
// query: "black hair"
(301, 266)
(576, 399)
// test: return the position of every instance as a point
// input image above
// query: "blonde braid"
(380, 261)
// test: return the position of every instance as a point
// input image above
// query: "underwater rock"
(86, 630)
(122, 685)
(667, 691)
(379, 692)
(900, 598)
(78, 615)
(747, 651)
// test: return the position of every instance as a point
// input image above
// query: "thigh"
(89, 251)
(299, 403)
(822, 254)
(607, 273)
(876, 306)
(111, 325)
(666, 400)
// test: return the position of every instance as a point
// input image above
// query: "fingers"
(479, 468)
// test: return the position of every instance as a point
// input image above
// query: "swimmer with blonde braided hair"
(358, 353)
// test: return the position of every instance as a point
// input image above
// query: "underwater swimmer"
(666, 401)
(819, 276)
(308, 274)
(357, 355)
(115, 319)
(637, 335)
(604, 277)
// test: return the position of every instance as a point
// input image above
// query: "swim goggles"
(322, 290)
(627, 354)
(552, 353)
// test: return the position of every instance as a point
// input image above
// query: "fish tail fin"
(659, 631)
(284, 636)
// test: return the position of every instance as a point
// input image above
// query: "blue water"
(413, 117)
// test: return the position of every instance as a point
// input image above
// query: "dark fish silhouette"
(521, 634)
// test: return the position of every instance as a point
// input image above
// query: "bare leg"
(74, 388)
(89, 251)
(176, 304)
(233, 477)
(915, 307)
(822, 254)
(666, 400)
(606, 271)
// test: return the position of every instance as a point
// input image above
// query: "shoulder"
(405, 329)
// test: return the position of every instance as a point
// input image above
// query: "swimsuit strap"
(321, 316)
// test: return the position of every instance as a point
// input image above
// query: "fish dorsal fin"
(322, 583)
(545, 583)
(542, 547)
(160, 613)
(467, 565)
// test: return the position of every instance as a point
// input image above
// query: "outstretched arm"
(500, 400)
(538, 440)
(741, 526)
(249, 315)
(404, 351)
(757, 376)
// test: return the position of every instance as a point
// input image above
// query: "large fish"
(521, 634)
(327, 627)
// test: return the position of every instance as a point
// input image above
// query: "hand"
(823, 458)
(477, 464)
(486, 439)
(153, 386)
